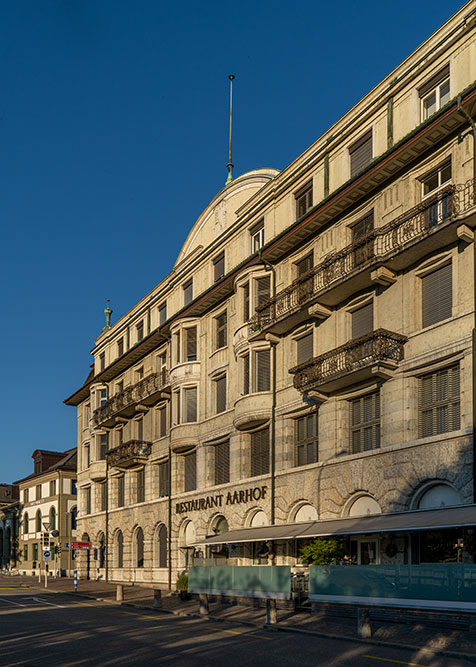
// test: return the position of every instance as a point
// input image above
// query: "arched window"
(119, 550)
(162, 546)
(26, 523)
(52, 519)
(101, 550)
(140, 548)
(74, 517)
(38, 521)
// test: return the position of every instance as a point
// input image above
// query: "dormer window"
(303, 200)
(435, 93)
(257, 236)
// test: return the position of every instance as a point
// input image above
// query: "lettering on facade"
(220, 500)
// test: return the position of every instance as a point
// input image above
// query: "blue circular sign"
(46, 554)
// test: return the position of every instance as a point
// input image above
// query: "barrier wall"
(255, 581)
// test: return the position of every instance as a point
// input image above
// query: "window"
(437, 194)
(246, 302)
(363, 247)
(262, 290)
(260, 453)
(140, 331)
(257, 236)
(102, 361)
(435, 93)
(140, 429)
(139, 373)
(38, 526)
(25, 552)
(74, 487)
(103, 438)
(103, 496)
(162, 416)
(363, 320)
(26, 495)
(437, 295)
(219, 266)
(162, 368)
(52, 519)
(74, 517)
(190, 464)
(303, 200)
(53, 487)
(140, 480)
(360, 153)
(102, 397)
(191, 343)
(307, 439)
(190, 404)
(222, 463)
(38, 491)
(87, 458)
(262, 360)
(176, 340)
(220, 394)
(120, 491)
(164, 481)
(140, 548)
(35, 552)
(221, 325)
(162, 313)
(26, 524)
(120, 347)
(304, 348)
(304, 265)
(188, 292)
(246, 374)
(162, 546)
(439, 402)
(119, 550)
(87, 500)
(366, 423)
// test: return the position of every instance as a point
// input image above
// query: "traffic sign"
(46, 554)
(80, 545)
(46, 525)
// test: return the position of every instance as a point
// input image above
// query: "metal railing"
(373, 248)
(378, 346)
(133, 449)
(130, 395)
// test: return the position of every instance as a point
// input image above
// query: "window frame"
(433, 87)
(257, 236)
(355, 166)
(303, 443)
(219, 266)
(304, 199)
(363, 425)
(451, 400)
(221, 330)
(187, 288)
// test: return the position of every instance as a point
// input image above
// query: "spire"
(107, 313)
(230, 164)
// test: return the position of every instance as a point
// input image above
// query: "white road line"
(52, 604)
(17, 604)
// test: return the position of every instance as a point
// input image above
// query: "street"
(45, 628)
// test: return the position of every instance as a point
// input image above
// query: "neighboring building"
(48, 496)
(308, 361)
(8, 526)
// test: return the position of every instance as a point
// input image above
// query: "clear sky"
(114, 122)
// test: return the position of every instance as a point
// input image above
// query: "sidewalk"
(417, 635)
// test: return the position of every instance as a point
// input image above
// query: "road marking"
(17, 604)
(52, 604)
(400, 662)
(243, 634)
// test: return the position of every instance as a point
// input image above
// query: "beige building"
(306, 367)
(48, 500)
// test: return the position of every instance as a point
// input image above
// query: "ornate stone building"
(306, 367)
(8, 526)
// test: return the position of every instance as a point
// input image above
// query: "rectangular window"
(257, 236)
(178, 412)
(360, 153)
(263, 290)
(437, 194)
(246, 374)
(307, 439)
(190, 404)
(103, 496)
(87, 500)
(38, 491)
(188, 292)
(120, 435)
(103, 441)
(102, 397)
(190, 464)
(305, 348)
(162, 421)
(220, 394)
(363, 320)
(262, 370)
(120, 491)
(363, 227)
(87, 457)
(164, 481)
(25, 552)
(140, 331)
(140, 480)
(304, 265)
(120, 347)
(435, 93)
(260, 453)
(102, 361)
(139, 373)
(221, 322)
(303, 201)
(366, 423)
(177, 347)
(439, 400)
(140, 429)
(222, 463)
(162, 313)
(246, 302)
(437, 295)
(35, 551)
(191, 343)
(219, 266)
(26, 495)
(363, 246)
(162, 368)
(53, 487)
(74, 487)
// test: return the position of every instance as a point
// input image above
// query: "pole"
(39, 572)
(75, 580)
(230, 164)
(46, 575)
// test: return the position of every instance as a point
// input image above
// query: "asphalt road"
(40, 628)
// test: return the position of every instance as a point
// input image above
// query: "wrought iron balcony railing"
(373, 248)
(133, 452)
(140, 392)
(380, 346)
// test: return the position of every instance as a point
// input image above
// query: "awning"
(431, 519)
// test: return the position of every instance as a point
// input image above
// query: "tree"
(322, 552)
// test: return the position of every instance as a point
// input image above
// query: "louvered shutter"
(246, 302)
(437, 295)
(363, 320)
(164, 479)
(162, 422)
(304, 348)
(220, 388)
(262, 290)
(187, 292)
(191, 404)
(191, 343)
(246, 374)
(222, 463)
(263, 363)
(141, 486)
(260, 453)
(190, 471)
(363, 227)
(360, 154)
(162, 539)
(221, 330)
(304, 265)
(219, 267)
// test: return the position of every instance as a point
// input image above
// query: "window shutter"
(246, 374)
(363, 320)
(188, 292)
(437, 295)
(434, 81)
(246, 302)
(260, 453)
(262, 290)
(191, 404)
(360, 154)
(304, 348)
(222, 463)
(219, 266)
(162, 422)
(191, 338)
(263, 363)
(164, 479)
(363, 227)
(220, 387)
(221, 330)
(190, 471)
(304, 265)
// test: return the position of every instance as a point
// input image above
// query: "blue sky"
(114, 121)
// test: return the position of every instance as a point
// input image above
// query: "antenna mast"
(230, 164)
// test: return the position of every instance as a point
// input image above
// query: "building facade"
(308, 361)
(48, 502)
(9, 506)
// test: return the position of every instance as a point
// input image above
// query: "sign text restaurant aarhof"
(242, 496)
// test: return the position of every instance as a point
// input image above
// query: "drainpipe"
(106, 538)
(473, 125)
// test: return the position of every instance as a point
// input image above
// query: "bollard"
(364, 631)
(75, 580)
(119, 592)
(157, 598)
(271, 616)
(203, 604)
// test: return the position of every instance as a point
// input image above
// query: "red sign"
(80, 545)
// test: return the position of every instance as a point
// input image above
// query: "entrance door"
(367, 552)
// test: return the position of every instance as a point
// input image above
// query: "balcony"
(147, 392)
(398, 244)
(129, 454)
(374, 355)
